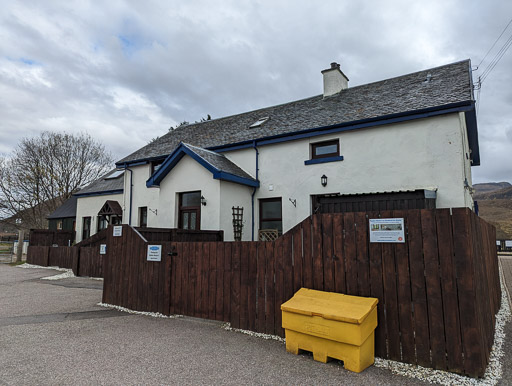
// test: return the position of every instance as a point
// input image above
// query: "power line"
(495, 43)
(496, 58)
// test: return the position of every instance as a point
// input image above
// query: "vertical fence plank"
(235, 286)
(269, 288)
(212, 281)
(391, 300)
(308, 258)
(377, 291)
(219, 304)
(297, 259)
(288, 266)
(316, 240)
(434, 298)
(260, 327)
(195, 253)
(340, 285)
(252, 287)
(327, 252)
(404, 294)
(205, 268)
(244, 284)
(449, 291)
(419, 294)
(350, 253)
(465, 286)
(226, 309)
(279, 285)
(363, 263)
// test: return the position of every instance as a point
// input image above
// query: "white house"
(405, 142)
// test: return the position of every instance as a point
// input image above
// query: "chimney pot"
(334, 80)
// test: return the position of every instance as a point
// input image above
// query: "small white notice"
(118, 230)
(387, 230)
(498, 243)
(508, 243)
(103, 249)
(154, 253)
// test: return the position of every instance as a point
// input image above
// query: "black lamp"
(323, 180)
(203, 201)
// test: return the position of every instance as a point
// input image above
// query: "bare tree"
(44, 171)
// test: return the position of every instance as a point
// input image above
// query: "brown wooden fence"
(85, 258)
(47, 238)
(438, 292)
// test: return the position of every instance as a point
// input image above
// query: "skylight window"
(114, 175)
(259, 122)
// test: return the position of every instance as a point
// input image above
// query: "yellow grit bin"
(331, 325)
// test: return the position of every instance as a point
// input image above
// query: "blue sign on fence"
(154, 253)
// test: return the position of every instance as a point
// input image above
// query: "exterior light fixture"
(203, 201)
(323, 180)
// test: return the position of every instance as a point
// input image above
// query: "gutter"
(254, 189)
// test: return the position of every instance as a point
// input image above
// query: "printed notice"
(154, 253)
(387, 230)
(103, 249)
(498, 243)
(118, 230)
(508, 243)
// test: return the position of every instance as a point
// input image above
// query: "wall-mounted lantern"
(203, 201)
(323, 180)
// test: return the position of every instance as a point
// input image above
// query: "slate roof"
(66, 210)
(102, 185)
(220, 166)
(448, 84)
(219, 161)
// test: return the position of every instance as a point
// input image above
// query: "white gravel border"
(66, 272)
(227, 327)
(152, 314)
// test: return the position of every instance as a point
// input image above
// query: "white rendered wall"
(188, 175)
(142, 196)
(420, 154)
(231, 195)
(89, 206)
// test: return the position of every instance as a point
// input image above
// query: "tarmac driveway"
(52, 332)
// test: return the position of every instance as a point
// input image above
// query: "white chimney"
(334, 80)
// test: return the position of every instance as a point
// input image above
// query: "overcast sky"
(125, 71)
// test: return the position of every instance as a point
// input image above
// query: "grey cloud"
(183, 60)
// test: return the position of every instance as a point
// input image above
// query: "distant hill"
(495, 206)
(490, 187)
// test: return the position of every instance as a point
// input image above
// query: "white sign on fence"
(118, 230)
(103, 249)
(387, 230)
(498, 243)
(154, 253)
(508, 243)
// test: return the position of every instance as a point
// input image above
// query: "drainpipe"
(254, 189)
(131, 191)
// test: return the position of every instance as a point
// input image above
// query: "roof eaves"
(99, 193)
(346, 126)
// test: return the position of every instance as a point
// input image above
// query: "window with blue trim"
(326, 151)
